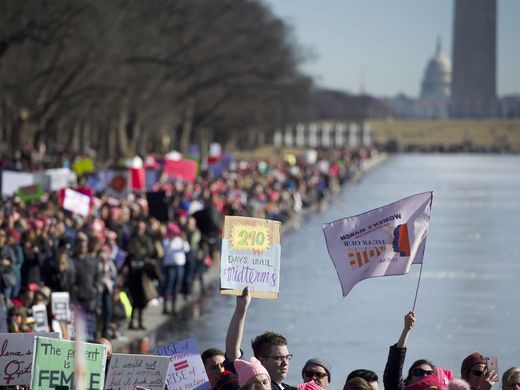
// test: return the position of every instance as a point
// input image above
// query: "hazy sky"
(386, 44)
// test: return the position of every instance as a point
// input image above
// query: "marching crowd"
(118, 259)
(268, 368)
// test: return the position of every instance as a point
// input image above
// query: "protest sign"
(250, 257)
(186, 370)
(381, 242)
(181, 169)
(129, 371)
(41, 323)
(117, 183)
(60, 306)
(76, 202)
(56, 179)
(12, 180)
(83, 165)
(30, 193)
(158, 205)
(54, 363)
(16, 357)
(137, 178)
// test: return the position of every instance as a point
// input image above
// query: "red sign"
(181, 169)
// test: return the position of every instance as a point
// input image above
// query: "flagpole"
(417, 290)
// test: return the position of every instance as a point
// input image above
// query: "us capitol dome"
(436, 84)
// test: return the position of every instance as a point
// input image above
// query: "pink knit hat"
(311, 385)
(440, 379)
(248, 369)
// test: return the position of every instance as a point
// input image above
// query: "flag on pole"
(381, 242)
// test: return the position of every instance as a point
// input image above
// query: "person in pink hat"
(251, 371)
(421, 375)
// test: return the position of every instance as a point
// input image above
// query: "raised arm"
(393, 375)
(409, 322)
(236, 326)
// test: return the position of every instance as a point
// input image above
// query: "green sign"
(30, 193)
(66, 363)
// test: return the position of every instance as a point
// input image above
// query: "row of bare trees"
(127, 77)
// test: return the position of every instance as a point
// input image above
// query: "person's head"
(213, 359)
(368, 375)
(81, 243)
(511, 379)
(439, 380)
(317, 370)
(271, 350)
(3, 237)
(458, 384)
(227, 381)
(357, 383)
(250, 371)
(418, 370)
(472, 368)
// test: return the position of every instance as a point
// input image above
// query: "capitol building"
(435, 91)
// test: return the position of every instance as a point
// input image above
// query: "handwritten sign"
(41, 323)
(16, 351)
(76, 202)
(186, 371)
(129, 371)
(250, 257)
(60, 306)
(54, 363)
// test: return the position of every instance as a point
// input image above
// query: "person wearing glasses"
(474, 370)
(317, 370)
(269, 348)
(421, 375)
(511, 379)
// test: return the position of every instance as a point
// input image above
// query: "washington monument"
(474, 59)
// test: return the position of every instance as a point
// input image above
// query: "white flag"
(381, 242)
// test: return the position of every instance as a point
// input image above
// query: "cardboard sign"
(130, 371)
(186, 371)
(16, 357)
(250, 257)
(41, 323)
(54, 364)
(76, 202)
(60, 306)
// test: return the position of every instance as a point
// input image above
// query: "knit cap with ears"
(248, 369)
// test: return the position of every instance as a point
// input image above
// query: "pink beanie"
(440, 379)
(248, 369)
(311, 385)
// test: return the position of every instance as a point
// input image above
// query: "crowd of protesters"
(120, 258)
(269, 367)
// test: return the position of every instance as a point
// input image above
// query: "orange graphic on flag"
(361, 257)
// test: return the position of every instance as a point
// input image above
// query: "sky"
(382, 46)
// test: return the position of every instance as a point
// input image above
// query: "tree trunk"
(187, 128)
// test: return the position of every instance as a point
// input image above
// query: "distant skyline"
(383, 46)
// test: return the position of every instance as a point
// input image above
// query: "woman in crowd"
(422, 373)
